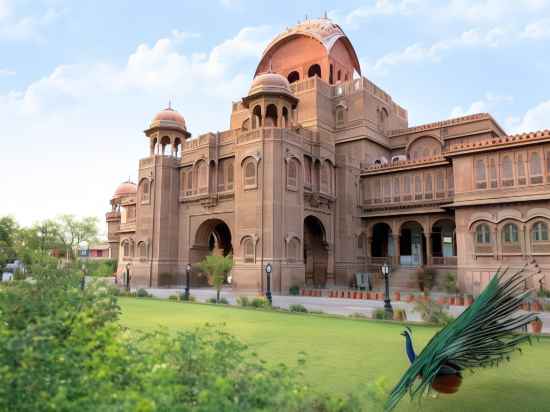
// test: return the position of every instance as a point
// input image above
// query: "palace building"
(321, 175)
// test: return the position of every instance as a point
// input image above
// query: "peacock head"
(407, 332)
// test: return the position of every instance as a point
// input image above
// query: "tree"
(74, 231)
(216, 267)
(8, 235)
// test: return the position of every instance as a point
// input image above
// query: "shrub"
(243, 301)
(184, 298)
(294, 290)
(433, 312)
(297, 308)
(259, 303)
(450, 284)
(223, 301)
(426, 278)
(380, 314)
(358, 315)
(173, 297)
(216, 268)
(543, 293)
(546, 307)
(142, 293)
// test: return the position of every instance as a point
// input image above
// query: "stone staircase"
(402, 278)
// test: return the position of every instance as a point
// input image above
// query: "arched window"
(483, 234)
(293, 76)
(248, 250)
(142, 249)
(481, 175)
(189, 186)
(245, 125)
(250, 174)
(521, 169)
(450, 181)
(440, 185)
(202, 177)
(417, 187)
(326, 179)
(271, 117)
(293, 250)
(510, 233)
(256, 117)
(535, 169)
(339, 75)
(314, 70)
(284, 118)
(382, 118)
(126, 248)
(339, 116)
(331, 74)
(539, 232)
(292, 174)
(307, 170)
(229, 174)
(144, 191)
(507, 172)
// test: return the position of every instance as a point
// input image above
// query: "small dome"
(270, 83)
(168, 118)
(125, 189)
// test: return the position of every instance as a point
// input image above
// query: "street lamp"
(386, 269)
(128, 277)
(268, 270)
(187, 273)
(83, 278)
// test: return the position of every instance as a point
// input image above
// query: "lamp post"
(387, 303)
(268, 270)
(187, 273)
(128, 276)
(83, 278)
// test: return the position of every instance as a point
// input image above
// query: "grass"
(342, 354)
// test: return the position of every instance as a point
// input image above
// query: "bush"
(546, 307)
(142, 293)
(297, 308)
(222, 301)
(380, 314)
(77, 356)
(358, 315)
(99, 268)
(543, 293)
(184, 298)
(173, 297)
(433, 312)
(243, 301)
(450, 284)
(259, 303)
(426, 278)
(294, 290)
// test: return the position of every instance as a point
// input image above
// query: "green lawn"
(343, 353)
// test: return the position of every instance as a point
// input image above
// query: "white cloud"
(490, 10)
(16, 27)
(374, 9)
(486, 104)
(536, 118)
(537, 30)
(416, 53)
(80, 127)
(183, 35)
(7, 72)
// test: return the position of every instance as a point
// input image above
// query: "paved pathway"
(344, 307)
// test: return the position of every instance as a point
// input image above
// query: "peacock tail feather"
(483, 335)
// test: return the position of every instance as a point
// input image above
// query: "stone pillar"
(331, 275)
(428, 248)
(397, 248)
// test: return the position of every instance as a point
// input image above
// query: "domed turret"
(125, 189)
(168, 118)
(270, 83)
(166, 133)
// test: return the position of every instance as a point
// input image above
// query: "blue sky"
(79, 81)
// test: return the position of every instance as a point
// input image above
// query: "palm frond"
(484, 335)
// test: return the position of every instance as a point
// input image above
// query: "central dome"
(270, 83)
(125, 189)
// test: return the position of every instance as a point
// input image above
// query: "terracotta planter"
(452, 300)
(536, 326)
(302, 292)
(354, 296)
(380, 295)
(525, 306)
(468, 300)
(536, 306)
(441, 300)
(397, 296)
(359, 295)
(460, 300)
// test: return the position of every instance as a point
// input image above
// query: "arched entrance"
(213, 236)
(382, 241)
(412, 245)
(315, 252)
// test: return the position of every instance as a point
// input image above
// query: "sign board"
(447, 239)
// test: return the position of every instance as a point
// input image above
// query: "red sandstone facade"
(320, 175)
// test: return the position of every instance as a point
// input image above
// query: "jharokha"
(321, 175)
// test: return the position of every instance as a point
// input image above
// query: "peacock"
(483, 335)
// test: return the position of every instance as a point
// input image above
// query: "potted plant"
(536, 326)
(468, 300)
(536, 306)
(397, 296)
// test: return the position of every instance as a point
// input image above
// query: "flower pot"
(441, 300)
(536, 326)
(302, 292)
(525, 306)
(452, 300)
(460, 300)
(468, 300)
(354, 295)
(359, 295)
(536, 306)
(397, 296)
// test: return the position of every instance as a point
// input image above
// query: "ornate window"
(221, 176)
(507, 172)
(126, 248)
(440, 185)
(407, 187)
(450, 181)
(535, 169)
(428, 186)
(483, 234)
(326, 178)
(387, 190)
(250, 179)
(396, 189)
(292, 174)
(377, 190)
(417, 187)
(339, 116)
(493, 173)
(521, 169)
(229, 175)
(481, 174)
(510, 233)
(202, 177)
(539, 233)
(307, 170)
(142, 249)
(248, 250)
(144, 194)
(293, 250)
